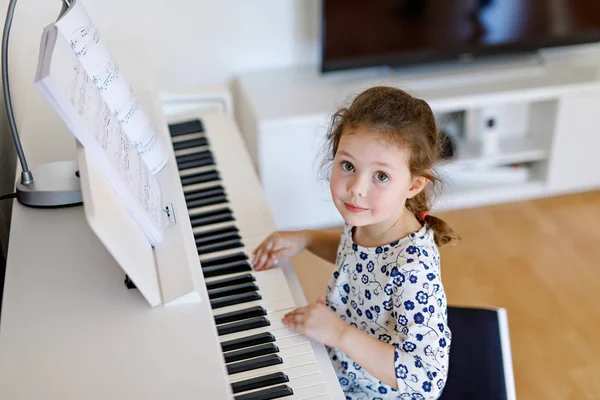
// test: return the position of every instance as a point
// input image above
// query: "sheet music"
(73, 94)
(84, 39)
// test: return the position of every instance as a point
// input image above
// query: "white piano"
(192, 320)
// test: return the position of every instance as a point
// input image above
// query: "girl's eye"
(346, 166)
(382, 177)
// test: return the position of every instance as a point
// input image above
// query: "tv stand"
(548, 143)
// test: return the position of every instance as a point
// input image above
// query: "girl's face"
(370, 179)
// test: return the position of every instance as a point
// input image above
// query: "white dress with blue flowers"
(394, 293)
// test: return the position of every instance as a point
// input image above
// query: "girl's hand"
(318, 322)
(278, 245)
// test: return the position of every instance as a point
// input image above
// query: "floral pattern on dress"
(394, 293)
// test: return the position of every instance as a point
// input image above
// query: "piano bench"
(480, 355)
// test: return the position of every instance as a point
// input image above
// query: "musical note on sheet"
(86, 42)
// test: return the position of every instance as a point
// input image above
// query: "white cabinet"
(575, 161)
(551, 144)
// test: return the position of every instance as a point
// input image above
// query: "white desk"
(70, 329)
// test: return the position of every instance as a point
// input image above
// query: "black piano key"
(186, 127)
(208, 201)
(204, 193)
(194, 156)
(252, 340)
(275, 392)
(232, 316)
(213, 232)
(210, 218)
(259, 382)
(217, 238)
(244, 325)
(188, 144)
(239, 256)
(233, 289)
(234, 299)
(225, 269)
(234, 280)
(225, 245)
(256, 363)
(201, 177)
(251, 352)
(203, 162)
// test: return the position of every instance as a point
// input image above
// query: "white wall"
(163, 44)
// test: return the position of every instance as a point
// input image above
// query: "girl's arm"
(375, 356)
(323, 244)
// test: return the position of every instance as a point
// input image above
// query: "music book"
(82, 82)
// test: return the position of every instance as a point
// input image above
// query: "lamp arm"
(26, 176)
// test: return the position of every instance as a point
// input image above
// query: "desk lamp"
(51, 185)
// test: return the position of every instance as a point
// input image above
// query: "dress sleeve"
(422, 342)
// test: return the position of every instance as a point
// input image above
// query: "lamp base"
(55, 185)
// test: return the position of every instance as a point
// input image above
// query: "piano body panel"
(71, 330)
(103, 202)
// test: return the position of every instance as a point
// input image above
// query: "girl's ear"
(416, 186)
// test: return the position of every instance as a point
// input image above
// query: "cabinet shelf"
(511, 150)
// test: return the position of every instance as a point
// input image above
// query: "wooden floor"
(541, 261)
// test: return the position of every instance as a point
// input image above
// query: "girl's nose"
(356, 186)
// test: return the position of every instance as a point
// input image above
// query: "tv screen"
(361, 33)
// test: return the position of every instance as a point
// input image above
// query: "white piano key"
(199, 210)
(277, 333)
(189, 136)
(293, 383)
(191, 150)
(196, 170)
(288, 363)
(201, 186)
(292, 372)
(307, 392)
(277, 302)
(205, 228)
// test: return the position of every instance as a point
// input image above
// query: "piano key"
(243, 325)
(231, 290)
(303, 386)
(253, 364)
(235, 280)
(197, 187)
(309, 392)
(183, 128)
(247, 341)
(287, 364)
(193, 150)
(226, 268)
(207, 201)
(280, 301)
(234, 299)
(188, 136)
(278, 333)
(190, 143)
(260, 382)
(233, 316)
(293, 372)
(198, 155)
(211, 218)
(275, 392)
(201, 162)
(200, 241)
(250, 352)
(203, 233)
(203, 177)
(215, 190)
(237, 256)
(225, 245)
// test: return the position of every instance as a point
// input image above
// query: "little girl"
(384, 319)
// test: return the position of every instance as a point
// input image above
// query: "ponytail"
(442, 233)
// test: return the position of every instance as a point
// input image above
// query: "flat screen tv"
(368, 33)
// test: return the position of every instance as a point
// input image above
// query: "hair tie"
(423, 214)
